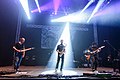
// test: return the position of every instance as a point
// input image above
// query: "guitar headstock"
(32, 47)
(102, 46)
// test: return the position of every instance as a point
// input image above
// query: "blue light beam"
(25, 6)
(96, 9)
(38, 6)
(68, 61)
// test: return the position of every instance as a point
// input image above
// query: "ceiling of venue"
(101, 11)
(105, 12)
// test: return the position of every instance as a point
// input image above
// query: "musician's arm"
(57, 51)
(25, 49)
(16, 49)
(21, 50)
(98, 50)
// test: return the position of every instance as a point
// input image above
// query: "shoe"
(60, 70)
(55, 70)
(93, 70)
(16, 70)
(96, 72)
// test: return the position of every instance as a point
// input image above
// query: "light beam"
(25, 6)
(68, 58)
(96, 9)
(37, 3)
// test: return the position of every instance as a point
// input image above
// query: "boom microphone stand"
(116, 60)
(110, 45)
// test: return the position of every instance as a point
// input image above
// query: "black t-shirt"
(92, 49)
(60, 47)
(19, 47)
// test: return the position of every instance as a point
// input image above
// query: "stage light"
(76, 17)
(56, 5)
(37, 3)
(44, 7)
(25, 6)
(108, 1)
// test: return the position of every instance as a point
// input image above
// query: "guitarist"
(94, 56)
(19, 49)
(60, 50)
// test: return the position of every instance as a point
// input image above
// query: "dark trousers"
(58, 60)
(88, 63)
(18, 59)
(116, 65)
(94, 63)
(119, 66)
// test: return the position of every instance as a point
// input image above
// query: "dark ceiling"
(108, 17)
(9, 7)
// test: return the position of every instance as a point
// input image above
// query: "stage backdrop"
(45, 37)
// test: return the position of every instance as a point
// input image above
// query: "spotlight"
(108, 1)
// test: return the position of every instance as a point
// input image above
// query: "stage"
(42, 72)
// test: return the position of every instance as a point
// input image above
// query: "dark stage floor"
(42, 72)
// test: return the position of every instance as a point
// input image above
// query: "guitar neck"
(26, 49)
(98, 49)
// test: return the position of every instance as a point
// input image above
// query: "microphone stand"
(118, 52)
(116, 61)
(110, 45)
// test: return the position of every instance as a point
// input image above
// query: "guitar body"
(23, 55)
(87, 57)
(61, 49)
(61, 53)
(88, 54)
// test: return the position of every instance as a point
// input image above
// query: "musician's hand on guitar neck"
(32, 48)
(26, 49)
(98, 50)
(61, 52)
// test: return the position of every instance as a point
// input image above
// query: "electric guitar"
(88, 53)
(24, 50)
(61, 52)
(87, 57)
(97, 50)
